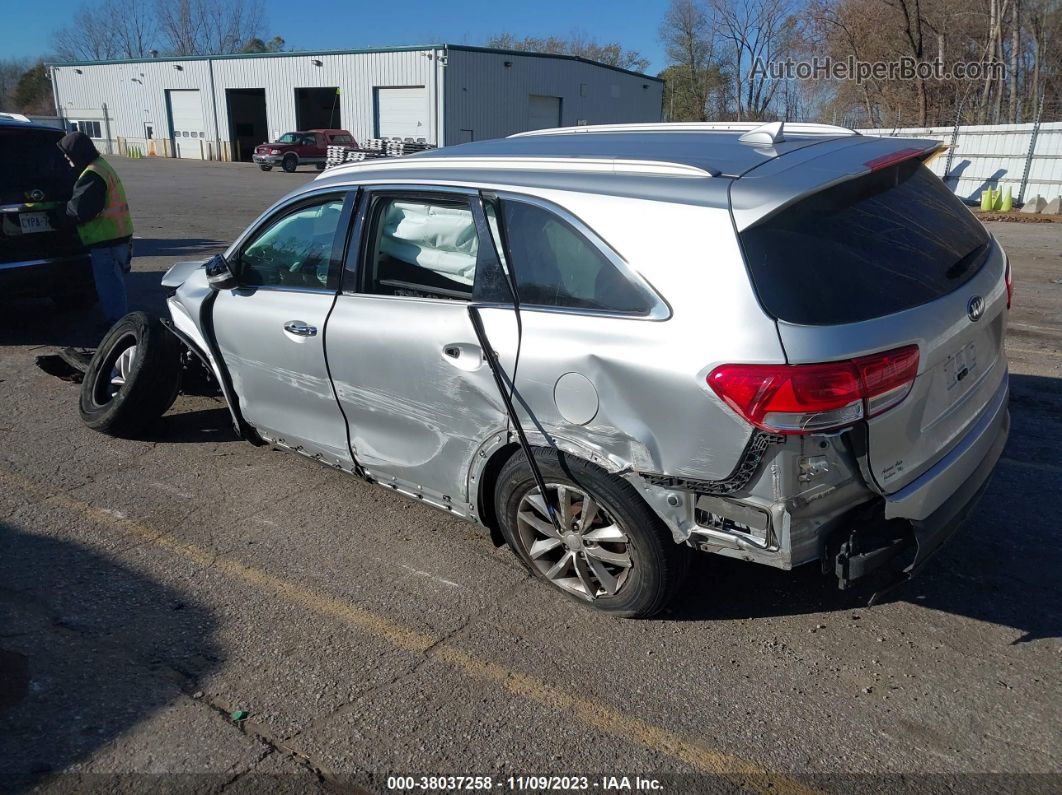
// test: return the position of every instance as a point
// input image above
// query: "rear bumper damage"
(885, 550)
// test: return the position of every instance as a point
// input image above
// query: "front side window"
(425, 248)
(555, 265)
(294, 251)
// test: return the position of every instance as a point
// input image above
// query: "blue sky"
(341, 24)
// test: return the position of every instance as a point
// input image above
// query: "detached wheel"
(290, 163)
(613, 553)
(133, 378)
(265, 167)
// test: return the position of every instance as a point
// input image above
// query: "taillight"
(1010, 284)
(805, 398)
(892, 158)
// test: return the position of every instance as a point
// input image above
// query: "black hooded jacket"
(90, 191)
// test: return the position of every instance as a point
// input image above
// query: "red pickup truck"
(297, 148)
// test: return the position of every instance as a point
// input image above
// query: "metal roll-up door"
(402, 112)
(186, 123)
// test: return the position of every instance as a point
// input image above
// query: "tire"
(150, 377)
(320, 166)
(265, 167)
(656, 566)
(290, 163)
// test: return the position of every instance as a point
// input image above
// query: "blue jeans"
(109, 266)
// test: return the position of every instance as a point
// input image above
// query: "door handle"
(300, 329)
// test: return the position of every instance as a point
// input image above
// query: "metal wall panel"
(134, 94)
(984, 156)
(355, 74)
(481, 94)
(491, 99)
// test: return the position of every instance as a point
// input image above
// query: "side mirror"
(218, 274)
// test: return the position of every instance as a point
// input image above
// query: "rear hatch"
(35, 184)
(860, 249)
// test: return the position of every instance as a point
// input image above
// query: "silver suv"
(612, 346)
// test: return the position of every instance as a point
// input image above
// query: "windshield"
(289, 138)
(31, 161)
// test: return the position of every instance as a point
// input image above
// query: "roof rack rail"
(799, 128)
(660, 168)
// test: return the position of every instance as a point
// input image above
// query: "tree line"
(716, 50)
(717, 53)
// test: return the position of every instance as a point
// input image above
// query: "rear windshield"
(29, 161)
(889, 241)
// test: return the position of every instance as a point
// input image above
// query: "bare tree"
(208, 27)
(689, 40)
(90, 36)
(757, 32)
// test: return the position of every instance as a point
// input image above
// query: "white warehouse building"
(219, 107)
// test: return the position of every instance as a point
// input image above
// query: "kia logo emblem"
(36, 195)
(975, 308)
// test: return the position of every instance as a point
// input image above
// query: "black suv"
(40, 254)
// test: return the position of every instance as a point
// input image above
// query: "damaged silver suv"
(616, 345)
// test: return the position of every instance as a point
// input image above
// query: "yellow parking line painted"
(596, 715)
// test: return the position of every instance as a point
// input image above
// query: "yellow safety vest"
(114, 221)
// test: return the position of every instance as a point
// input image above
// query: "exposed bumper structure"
(921, 518)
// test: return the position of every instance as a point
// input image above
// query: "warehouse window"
(90, 128)
(422, 249)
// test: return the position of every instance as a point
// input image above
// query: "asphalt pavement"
(190, 611)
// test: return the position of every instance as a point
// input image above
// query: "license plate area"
(960, 366)
(34, 222)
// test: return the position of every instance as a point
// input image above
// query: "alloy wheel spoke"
(544, 527)
(622, 559)
(608, 582)
(609, 534)
(588, 513)
(564, 505)
(558, 567)
(585, 576)
(544, 545)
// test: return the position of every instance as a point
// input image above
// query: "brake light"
(1010, 284)
(892, 158)
(805, 398)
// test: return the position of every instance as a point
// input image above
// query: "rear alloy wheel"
(133, 377)
(290, 163)
(611, 551)
(590, 557)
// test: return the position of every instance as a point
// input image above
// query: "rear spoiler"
(783, 181)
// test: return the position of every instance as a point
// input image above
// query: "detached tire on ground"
(133, 378)
(615, 554)
(290, 163)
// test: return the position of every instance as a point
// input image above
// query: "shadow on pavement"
(186, 248)
(1002, 566)
(88, 649)
(40, 322)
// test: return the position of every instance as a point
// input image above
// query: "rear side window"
(422, 249)
(889, 241)
(555, 265)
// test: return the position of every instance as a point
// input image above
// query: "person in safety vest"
(101, 212)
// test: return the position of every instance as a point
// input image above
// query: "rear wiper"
(977, 256)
